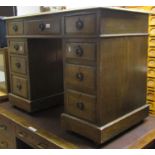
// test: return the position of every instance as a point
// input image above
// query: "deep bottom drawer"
(20, 86)
(80, 105)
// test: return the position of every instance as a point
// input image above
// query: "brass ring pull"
(18, 65)
(79, 51)
(16, 47)
(80, 76)
(42, 26)
(79, 24)
(80, 105)
(19, 86)
(15, 28)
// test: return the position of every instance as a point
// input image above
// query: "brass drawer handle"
(41, 146)
(79, 24)
(3, 127)
(42, 26)
(80, 76)
(80, 105)
(21, 134)
(3, 144)
(19, 86)
(79, 51)
(15, 28)
(18, 65)
(16, 47)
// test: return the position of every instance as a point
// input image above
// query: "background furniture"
(43, 130)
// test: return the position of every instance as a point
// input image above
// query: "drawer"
(151, 82)
(18, 65)
(80, 105)
(80, 24)
(151, 20)
(151, 72)
(152, 41)
(86, 51)
(33, 139)
(6, 127)
(17, 47)
(152, 31)
(150, 95)
(151, 62)
(20, 86)
(15, 28)
(43, 26)
(24, 135)
(80, 78)
(151, 52)
(6, 143)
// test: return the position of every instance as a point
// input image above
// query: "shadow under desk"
(43, 130)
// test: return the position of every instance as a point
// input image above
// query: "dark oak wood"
(104, 53)
(118, 76)
(80, 78)
(16, 28)
(81, 105)
(43, 26)
(18, 46)
(36, 65)
(80, 24)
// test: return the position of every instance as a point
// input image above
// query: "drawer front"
(6, 127)
(32, 139)
(152, 31)
(151, 72)
(80, 24)
(17, 47)
(24, 135)
(80, 105)
(6, 143)
(150, 95)
(151, 52)
(80, 78)
(20, 86)
(44, 26)
(151, 20)
(86, 51)
(15, 28)
(152, 41)
(151, 82)
(18, 65)
(151, 62)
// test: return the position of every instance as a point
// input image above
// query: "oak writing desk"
(95, 58)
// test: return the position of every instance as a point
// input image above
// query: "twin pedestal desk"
(92, 60)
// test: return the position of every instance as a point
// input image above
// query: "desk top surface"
(49, 122)
(79, 9)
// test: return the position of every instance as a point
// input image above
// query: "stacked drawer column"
(104, 91)
(151, 65)
(80, 66)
